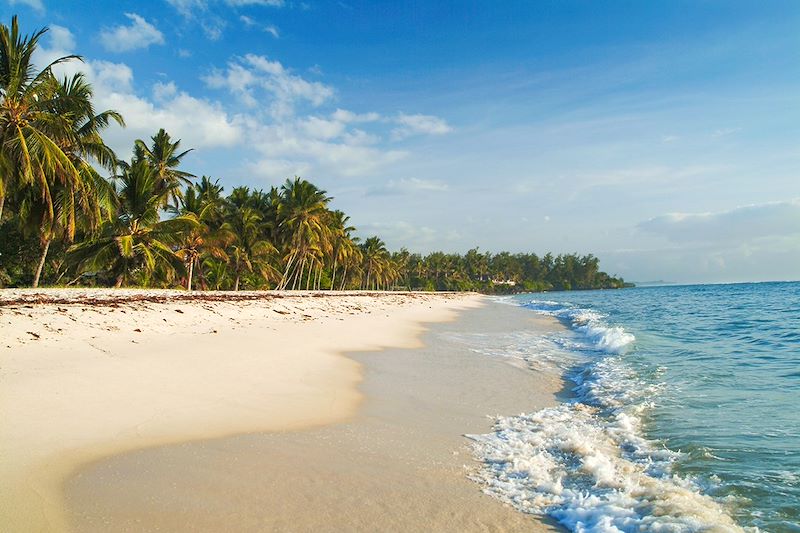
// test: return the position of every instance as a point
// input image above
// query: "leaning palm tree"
(89, 199)
(134, 242)
(29, 155)
(164, 156)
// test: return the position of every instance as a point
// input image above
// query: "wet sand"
(401, 464)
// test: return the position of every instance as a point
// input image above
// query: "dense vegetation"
(152, 224)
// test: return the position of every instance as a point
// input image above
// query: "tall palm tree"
(302, 214)
(165, 157)
(135, 240)
(85, 201)
(29, 156)
(339, 233)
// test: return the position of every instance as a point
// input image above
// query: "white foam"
(567, 462)
(588, 463)
(590, 324)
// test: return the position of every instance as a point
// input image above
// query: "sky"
(662, 137)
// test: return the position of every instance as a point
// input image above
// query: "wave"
(587, 463)
(590, 324)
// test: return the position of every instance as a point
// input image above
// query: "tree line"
(73, 213)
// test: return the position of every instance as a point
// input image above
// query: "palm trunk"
(118, 282)
(298, 275)
(333, 274)
(191, 271)
(236, 283)
(40, 267)
(310, 273)
(2, 203)
(344, 277)
(285, 279)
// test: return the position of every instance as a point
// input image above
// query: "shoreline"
(91, 379)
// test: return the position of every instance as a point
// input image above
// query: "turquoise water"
(685, 416)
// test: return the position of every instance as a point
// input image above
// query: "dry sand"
(86, 374)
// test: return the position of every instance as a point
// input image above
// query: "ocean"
(682, 412)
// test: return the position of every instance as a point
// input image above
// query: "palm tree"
(29, 156)
(249, 251)
(135, 240)
(375, 258)
(202, 240)
(339, 234)
(302, 215)
(164, 156)
(89, 199)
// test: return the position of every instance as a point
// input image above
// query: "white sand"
(80, 381)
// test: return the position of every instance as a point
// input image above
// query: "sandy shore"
(92, 374)
(401, 464)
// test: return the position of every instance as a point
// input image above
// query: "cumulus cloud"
(199, 122)
(285, 133)
(246, 76)
(409, 125)
(291, 144)
(408, 186)
(61, 38)
(139, 34)
(775, 219)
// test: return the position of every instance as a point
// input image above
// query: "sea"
(681, 411)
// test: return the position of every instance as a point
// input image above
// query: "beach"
(131, 410)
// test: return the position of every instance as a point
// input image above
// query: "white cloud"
(139, 34)
(244, 76)
(37, 5)
(163, 91)
(61, 38)
(212, 28)
(408, 186)
(293, 144)
(111, 77)
(192, 8)
(189, 8)
(724, 132)
(281, 140)
(343, 115)
(272, 30)
(249, 22)
(776, 219)
(419, 125)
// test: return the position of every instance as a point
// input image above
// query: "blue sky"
(664, 137)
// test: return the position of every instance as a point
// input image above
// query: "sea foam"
(587, 463)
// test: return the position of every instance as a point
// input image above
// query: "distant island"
(149, 223)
